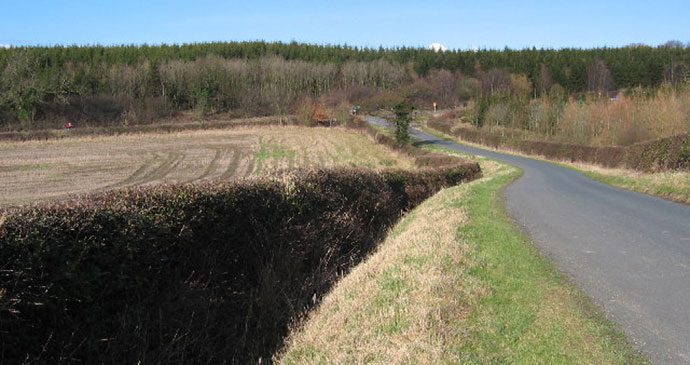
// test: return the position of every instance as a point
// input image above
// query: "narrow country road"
(629, 252)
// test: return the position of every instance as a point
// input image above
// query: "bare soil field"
(42, 170)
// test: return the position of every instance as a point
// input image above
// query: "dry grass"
(635, 116)
(672, 185)
(627, 120)
(456, 282)
(40, 170)
(396, 307)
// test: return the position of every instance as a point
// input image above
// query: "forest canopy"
(42, 86)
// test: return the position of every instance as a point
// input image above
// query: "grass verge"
(456, 282)
(671, 185)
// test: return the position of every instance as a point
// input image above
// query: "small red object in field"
(68, 126)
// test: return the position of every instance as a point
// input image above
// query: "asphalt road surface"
(630, 252)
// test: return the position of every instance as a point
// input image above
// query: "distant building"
(438, 47)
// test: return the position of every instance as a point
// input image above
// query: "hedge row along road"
(629, 252)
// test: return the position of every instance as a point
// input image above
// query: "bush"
(402, 112)
(664, 154)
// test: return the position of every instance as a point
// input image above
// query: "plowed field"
(41, 170)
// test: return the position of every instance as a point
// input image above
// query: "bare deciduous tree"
(495, 81)
(674, 73)
(673, 44)
(521, 86)
(443, 82)
(543, 81)
(599, 77)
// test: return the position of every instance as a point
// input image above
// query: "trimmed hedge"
(665, 154)
(211, 272)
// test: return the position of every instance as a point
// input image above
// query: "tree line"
(119, 84)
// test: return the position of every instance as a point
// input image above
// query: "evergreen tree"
(402, 112)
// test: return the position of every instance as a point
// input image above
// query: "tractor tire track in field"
(231, 170)
(222, 166)
(226, 163)
(213, 165)
(173, 161)
(249, 166)
(56, 169)
(153, 170)
(630, 252)
(136, 175)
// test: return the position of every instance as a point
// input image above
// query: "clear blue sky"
(456, 24)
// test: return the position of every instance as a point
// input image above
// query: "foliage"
(42, 87)
(202, 273)
(658, 155)
(402, 112)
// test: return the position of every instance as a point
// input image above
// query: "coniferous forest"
(43, 87)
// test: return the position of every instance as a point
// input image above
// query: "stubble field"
(43, 170)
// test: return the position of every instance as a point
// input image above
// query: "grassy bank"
(671, 185)
(456, 282)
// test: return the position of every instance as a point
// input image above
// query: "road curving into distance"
(630, 252)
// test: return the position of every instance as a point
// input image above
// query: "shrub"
(684, 154)
(402, 112)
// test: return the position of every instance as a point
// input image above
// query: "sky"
(455, 24)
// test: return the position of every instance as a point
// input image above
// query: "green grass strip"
(533, 314)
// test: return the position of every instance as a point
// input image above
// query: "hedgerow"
(211, 272)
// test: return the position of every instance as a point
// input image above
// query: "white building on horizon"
(438, 47)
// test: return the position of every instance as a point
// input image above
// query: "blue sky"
(456, 24)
